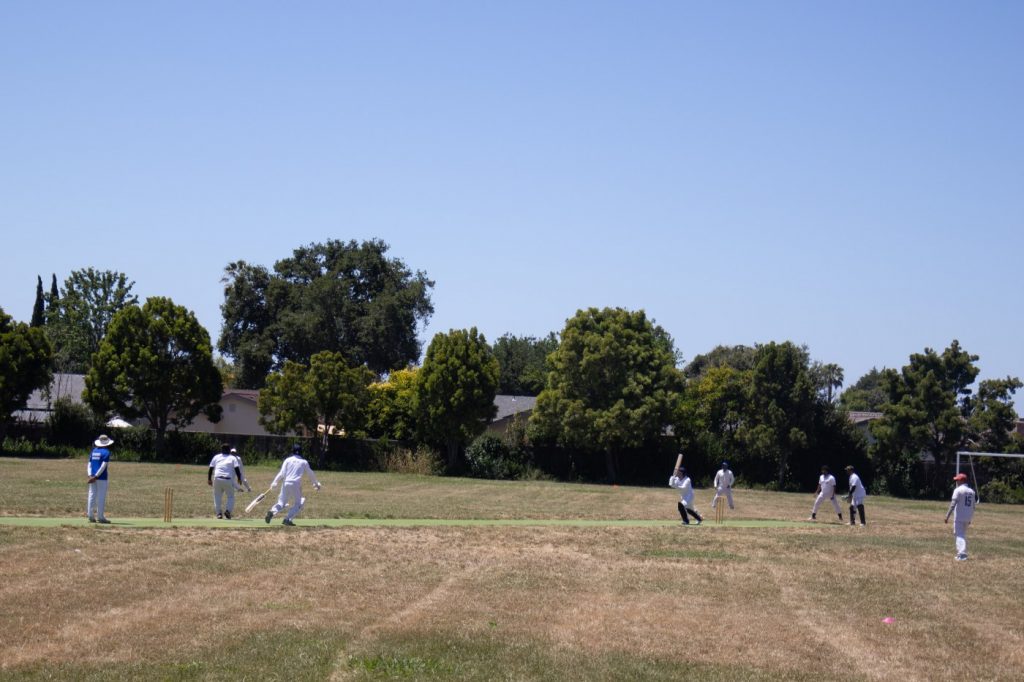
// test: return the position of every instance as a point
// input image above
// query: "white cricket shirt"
(292, 469)
(223, 466)
(857, 488)
(963, 503)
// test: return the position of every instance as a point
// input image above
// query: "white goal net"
(972, 464)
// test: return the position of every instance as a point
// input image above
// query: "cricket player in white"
(222, 475)
(241, 471)
(855, 498)
(723, 486)
(680, 480)
(962, 509)
(826, 491)
(292, 470)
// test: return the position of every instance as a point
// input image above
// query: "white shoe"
(961, 557)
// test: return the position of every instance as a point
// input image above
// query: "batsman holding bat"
(682, 482)
(292, 470)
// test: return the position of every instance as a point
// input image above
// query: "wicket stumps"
(720, 511)
(168, 504)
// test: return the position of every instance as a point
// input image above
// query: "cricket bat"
(256, 500)
(679, 461)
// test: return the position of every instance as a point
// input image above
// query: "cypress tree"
(52, 303)
(37, 309)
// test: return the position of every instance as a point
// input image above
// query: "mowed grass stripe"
(55, 522)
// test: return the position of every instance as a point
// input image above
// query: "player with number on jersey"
(961, 508)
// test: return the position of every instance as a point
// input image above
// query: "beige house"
(240, 415)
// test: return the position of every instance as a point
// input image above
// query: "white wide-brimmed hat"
(103, 441)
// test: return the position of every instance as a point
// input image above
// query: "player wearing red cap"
(962, 510)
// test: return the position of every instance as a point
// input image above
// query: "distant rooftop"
(40, 403)
(509, 405)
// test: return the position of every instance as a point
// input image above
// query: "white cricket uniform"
(857, 491)
(723, 487)
(828, 492)
(685, 489)
(962, 509)
(223, 466)
(292, 470)
(241, 472)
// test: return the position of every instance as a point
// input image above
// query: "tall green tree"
(740, 357)
(712, 412)
(613, 384)
(392, 409)
(771, 412)
(455, 391)
(783, 403)
(79, 317)
(25, 365)
(155, 362)
(523, 362)
(866, 395)
(326, 393)
(345, 297)
(53, 299)
(828, 378)
(39, 308)
(926, 410)
(991, 415)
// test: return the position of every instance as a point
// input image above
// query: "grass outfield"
(250, 522)
(413, 577)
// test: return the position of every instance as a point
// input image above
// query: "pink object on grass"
(889, 620)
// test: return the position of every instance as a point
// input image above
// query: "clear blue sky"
(848, 175)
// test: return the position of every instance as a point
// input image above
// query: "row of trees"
(330, 335)
(445, 403)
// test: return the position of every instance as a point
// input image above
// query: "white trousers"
(722, 492)
(221, 486)
(294, 492)
(97, 499)
(821, 498)
(960, 533)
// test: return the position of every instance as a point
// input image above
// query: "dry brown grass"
(521, 602)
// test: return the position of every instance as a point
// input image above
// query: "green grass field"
(410, 577)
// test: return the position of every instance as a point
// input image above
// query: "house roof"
(252, 396)
(40, 403)
(863, 417)
(509, 405)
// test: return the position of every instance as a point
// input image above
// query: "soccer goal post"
(969, 456)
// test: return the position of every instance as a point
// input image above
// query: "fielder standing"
(685, 506)
(826, 491)
(292, 470)
(723, 486)
(96, 470)
(962, 509)
(856, 496)
(223, 468)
